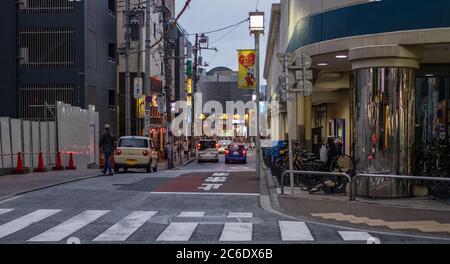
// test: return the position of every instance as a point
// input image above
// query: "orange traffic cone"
(19, 169)
(41, 167)
(58, 166)
(71, 163)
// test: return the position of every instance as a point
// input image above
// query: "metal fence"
(45, 6)
(353, 181)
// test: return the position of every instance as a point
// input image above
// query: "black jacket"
(107, 142)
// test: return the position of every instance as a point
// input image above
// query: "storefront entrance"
(432, 126)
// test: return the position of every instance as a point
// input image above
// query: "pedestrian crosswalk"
(61, 225)
(126, 227)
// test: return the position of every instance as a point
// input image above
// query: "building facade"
(63, 51)
(136, 60)
(221, 84)
(381, 82)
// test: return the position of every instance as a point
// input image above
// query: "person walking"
(108, 147)
(155, 158)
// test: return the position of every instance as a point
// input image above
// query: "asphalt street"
(199, 203)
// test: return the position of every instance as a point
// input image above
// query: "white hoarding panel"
(36, 139)
(52, 143)
(44, 141)
(74, 130)
(16, 137)
(27, 144)
(6, 142)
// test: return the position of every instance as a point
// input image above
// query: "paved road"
(200, 203)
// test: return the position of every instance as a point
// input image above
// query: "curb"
(48, 186)
(185, 164)
(270, 203)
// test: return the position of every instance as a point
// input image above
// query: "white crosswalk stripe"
(240, 214)
(4, 211)
(235, 232)
(192, 214)
(178, 232)
(123, 229)
(25, 221)
(354, 236)
(69, 227)
(295, 231)
(126, 227)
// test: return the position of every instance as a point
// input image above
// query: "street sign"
(290, 97)
(291, 77)
(147, 123)
(305, 88)
(290, 57)
(162, 104)
(303, 61)
(299, 75)
(137, 88)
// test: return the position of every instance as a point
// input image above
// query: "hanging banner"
(140, 106)
(246, 69)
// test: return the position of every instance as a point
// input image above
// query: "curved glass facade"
(384, 102)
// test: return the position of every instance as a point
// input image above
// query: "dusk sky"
(208, 15)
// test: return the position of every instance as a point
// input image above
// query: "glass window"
(112, 6)
(207, 144)
(112, 52)
(111, 98)
(133, 143)
(236, 147)
(432, 111)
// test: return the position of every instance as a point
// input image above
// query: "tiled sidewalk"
(422, 216)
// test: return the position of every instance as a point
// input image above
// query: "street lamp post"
(257, 29)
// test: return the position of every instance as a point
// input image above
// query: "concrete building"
(381, 81)
(221, 84)
(57, 51)
(137, 65)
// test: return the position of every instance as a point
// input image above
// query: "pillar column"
(383, 120)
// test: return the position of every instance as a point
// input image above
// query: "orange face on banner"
(246, 69)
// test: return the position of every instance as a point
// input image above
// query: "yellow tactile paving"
(423, 226)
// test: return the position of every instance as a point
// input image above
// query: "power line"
(226, 34)
(220, 29)
(173, 24)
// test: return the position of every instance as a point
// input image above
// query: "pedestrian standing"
(186, 149)
(155, 158)
(108, 147)
(175, 151)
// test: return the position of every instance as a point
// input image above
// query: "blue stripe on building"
(370, 18)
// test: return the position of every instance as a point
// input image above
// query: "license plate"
(235, 153)
(131, 162)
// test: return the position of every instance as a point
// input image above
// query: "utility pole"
(168, 78)
(195, 73)
(147, 75)
(127, 70)
(258, 133)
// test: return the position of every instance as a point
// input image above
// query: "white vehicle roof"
(134, 137)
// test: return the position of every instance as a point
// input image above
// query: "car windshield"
(236, 147)
(224, 142)
(133, 143)
(207, 144)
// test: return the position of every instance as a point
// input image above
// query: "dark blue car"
(236, 152)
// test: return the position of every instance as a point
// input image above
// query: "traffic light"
(189, 69)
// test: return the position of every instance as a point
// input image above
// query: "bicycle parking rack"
(315, 173)
(353, 182)
(386, 176)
